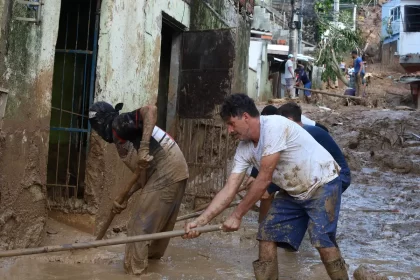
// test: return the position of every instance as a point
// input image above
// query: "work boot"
(267, 270)
(336, 269)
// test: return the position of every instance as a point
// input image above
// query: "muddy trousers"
(155, 211)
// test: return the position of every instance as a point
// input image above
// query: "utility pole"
(293, 33)
(300, 30)
(336, 11)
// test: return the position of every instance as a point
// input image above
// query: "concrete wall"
(259, 63)
(26, 65)
(409, 41)
(252, 84)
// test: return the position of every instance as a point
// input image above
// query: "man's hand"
(232, 223)
(143, 155)
(189, 230)
(118, 208)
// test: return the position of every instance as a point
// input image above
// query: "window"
(395, 14)
(412, 18)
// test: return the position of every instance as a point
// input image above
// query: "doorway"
(168, 70)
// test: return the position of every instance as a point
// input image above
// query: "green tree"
(337, 41)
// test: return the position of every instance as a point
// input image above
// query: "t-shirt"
(287, 74)
(168, 165)
(304, 165)
(357, 62)
(303, 77)
(326, 141)
(306, 120)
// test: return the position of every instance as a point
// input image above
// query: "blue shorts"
(289, 218)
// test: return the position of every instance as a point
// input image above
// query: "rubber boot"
(267, 270)
(336, 269)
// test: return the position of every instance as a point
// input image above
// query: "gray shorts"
(289, 82)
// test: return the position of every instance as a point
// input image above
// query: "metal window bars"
(34, 5)
(73, 89)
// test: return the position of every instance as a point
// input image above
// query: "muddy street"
(379, 221)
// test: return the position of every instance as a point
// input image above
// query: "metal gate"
(205, 80)
(72, 94)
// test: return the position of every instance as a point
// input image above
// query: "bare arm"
(222, 200)
(291, 71)
(259, 186)
(149, 117)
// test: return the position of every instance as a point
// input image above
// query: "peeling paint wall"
(127, 71)
(27, 61)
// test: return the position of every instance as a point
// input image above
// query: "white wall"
(409, 41)
(129, 49)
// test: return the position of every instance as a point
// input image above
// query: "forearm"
(149, 116)
(222, 200)
(291, 71)
(254, 194)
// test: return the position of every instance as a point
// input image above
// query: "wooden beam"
(332, 94)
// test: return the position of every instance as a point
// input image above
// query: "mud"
(23, 207)
(378, 224)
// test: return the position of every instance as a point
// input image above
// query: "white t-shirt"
(287, 74)
(304, 164)
(307, 121)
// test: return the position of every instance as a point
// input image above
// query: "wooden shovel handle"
(139, 175)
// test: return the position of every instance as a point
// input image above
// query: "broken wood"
(108, 242)
(196, 214)
(282, 100)
(332, 94)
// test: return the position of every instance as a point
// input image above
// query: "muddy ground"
(379, 223)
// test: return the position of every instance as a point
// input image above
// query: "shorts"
(289, 218)
(289, 82)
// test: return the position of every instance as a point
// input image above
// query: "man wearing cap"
(289, 76)
(144, 147)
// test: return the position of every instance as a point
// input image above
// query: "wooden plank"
(332, 94)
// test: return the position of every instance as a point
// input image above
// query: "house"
(57, 57)
(401, 34)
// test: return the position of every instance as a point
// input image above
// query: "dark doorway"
(168, 68)
(164, 72)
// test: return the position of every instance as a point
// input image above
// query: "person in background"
(289, 76)
(304, 79)
(272, 110)
(359, 72)
(293, 112)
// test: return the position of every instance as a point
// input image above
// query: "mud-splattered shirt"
(168, 165)
(304, 164)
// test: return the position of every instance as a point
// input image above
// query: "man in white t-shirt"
(289, 76)
(287, 155)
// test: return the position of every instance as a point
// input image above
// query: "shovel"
(139, 175)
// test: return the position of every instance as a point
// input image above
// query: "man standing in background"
(303, 77)
(359, 71)
(289, 76)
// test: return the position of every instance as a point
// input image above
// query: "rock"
(365, 272)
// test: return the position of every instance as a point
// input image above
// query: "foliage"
(337, 42)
